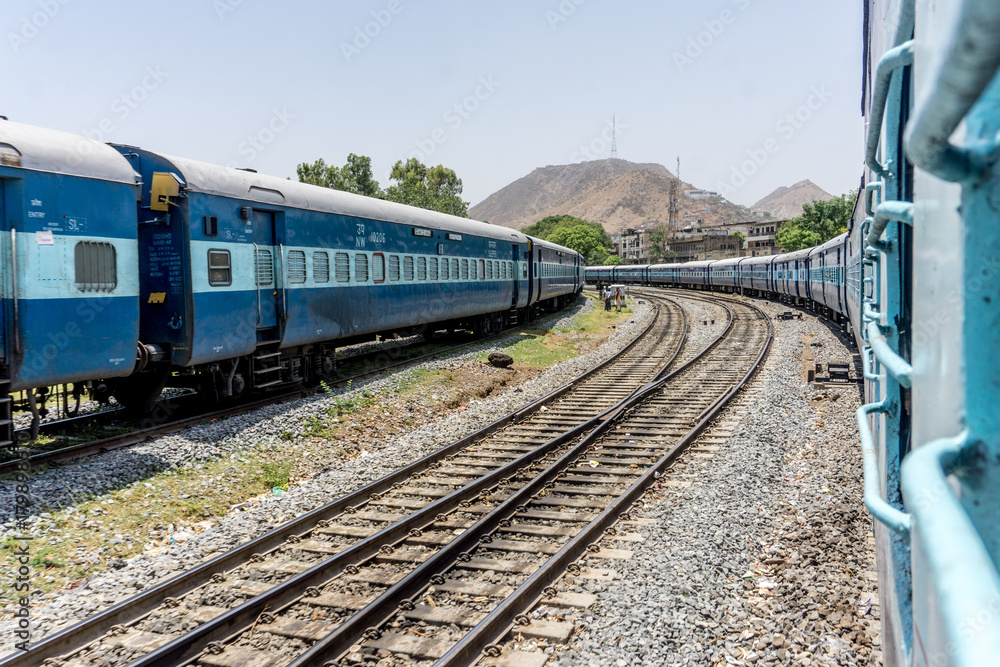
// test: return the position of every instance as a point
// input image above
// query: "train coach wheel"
(140, 392)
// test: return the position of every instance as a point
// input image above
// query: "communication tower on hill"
(614, 140)
(673, 222)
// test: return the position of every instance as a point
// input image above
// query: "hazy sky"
(750, 94)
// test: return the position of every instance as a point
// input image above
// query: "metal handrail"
(965, 581)
(256, 277)
(13, 287)
(971, 63)
(894, 58)
(866, 365)
(883, 512)
(896, 366)
(900, 211)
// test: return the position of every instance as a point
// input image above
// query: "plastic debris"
(594, 464)
(278, 491)
(864, 606)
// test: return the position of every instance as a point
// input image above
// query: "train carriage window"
(393, 268)
(432, 268)
(342, 267)
(296, 267)
(407, 268)
(321, 267)
(378, 267)
(465, 269)
(444, 269)
(482, 270)
(361, 268)
(220, 270)
(263, 267)
(422, 269)
(454, 269)
(489, 270)
(472, 270)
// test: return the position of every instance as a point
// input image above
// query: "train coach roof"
(553, 246)
(729, 261)
(41, 149)
(791, 256)
(250, 186)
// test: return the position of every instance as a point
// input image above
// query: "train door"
(515, 254)
(266, 272)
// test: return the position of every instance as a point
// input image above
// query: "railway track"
(359, 524)
(175, 414)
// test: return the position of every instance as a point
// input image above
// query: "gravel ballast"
(763, 554)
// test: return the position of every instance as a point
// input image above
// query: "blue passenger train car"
(68, 252)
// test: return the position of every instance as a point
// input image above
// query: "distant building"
(762, 239)
(698, 247)
(700, 194)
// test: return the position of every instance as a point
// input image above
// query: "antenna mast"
(614, 139)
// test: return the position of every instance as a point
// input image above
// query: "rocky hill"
(616, 193)
(786, 202)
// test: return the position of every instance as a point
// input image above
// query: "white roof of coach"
(238, 183)
(41, 149)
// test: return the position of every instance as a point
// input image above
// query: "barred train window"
(95, 267)
(342, 267)
(489, 270)
(444, 269)
(465, 269)
(432, 269)
(378, 268)
(296, 267)
(263, 266)
(394, 268)
(220, 271)
(361, 268)
(407, 268)
(472, 270)
(321, 267)
(422, 269)
(454, 270)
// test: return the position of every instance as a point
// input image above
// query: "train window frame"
(473, 270)
(361, 261)
(445, 270)
(421, 269)
(465, 269)
(432, 268)
(227, 267)
(378, 268)
(342, 260)
(296, 269)
(455, 269)
(482, 269)
(489, 270)
(259, 266)
(321, 275)
(408, 271)
(393, 270)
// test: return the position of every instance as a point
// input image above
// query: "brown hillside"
(785, 202)
(616, 193)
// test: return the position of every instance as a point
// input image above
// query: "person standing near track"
(607, 298)
(619, 298)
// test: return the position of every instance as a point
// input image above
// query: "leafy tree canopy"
(435, 188)
(613, 260)
(545, 227)
(355, 176)
(584, 239)
(820, 221)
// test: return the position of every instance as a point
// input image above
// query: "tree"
(584, 239)
(435, 188)
(355, 176)
(740, 240)
(820, 221)
(657, 245)
(613, 260)
(545, 227)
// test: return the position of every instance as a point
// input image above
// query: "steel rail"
(82, 633)
(383, 608)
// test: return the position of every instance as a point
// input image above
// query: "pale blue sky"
(268, 85)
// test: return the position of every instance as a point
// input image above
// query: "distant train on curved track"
(916, 279)
(128, 270)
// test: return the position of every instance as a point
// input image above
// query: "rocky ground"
(393, 429)
(767, 556)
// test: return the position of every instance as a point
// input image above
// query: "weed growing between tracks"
(148, 515)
